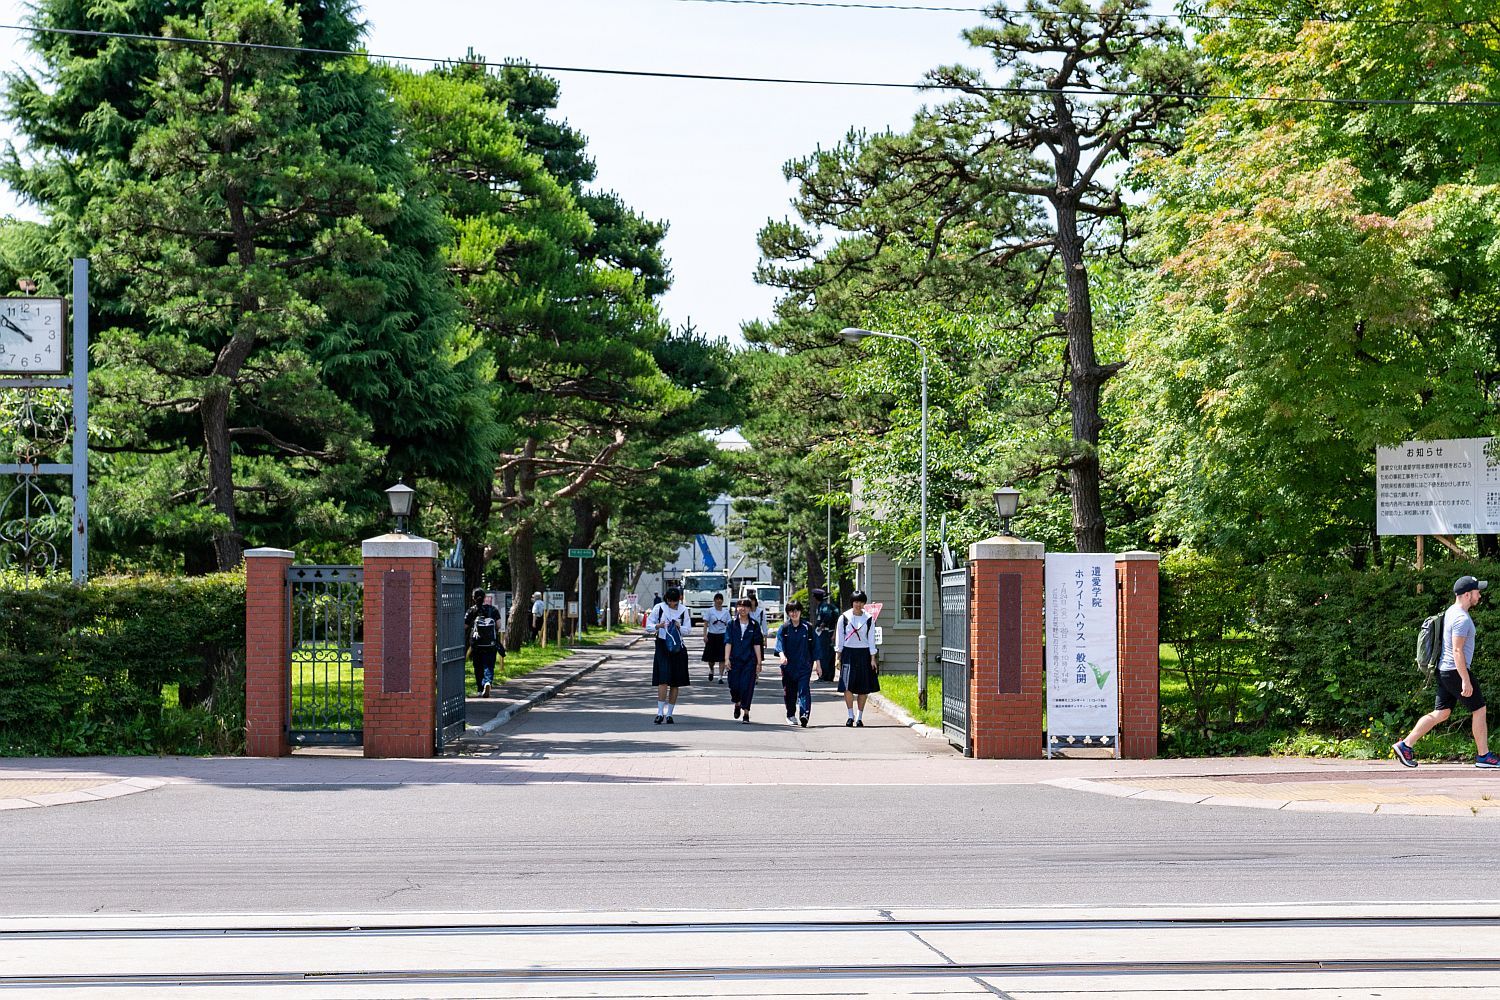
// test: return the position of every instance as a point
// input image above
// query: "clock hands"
(6, 321)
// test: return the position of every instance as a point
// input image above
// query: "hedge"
(89, 670)
(1332, 651)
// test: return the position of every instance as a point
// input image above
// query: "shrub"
(86, 670)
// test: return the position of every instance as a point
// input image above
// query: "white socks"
(851, 713)
(861, 715)
(660, 706)
(670, 706)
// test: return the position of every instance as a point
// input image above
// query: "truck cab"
(769, 597)
(698, 590)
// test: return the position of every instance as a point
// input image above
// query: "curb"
(98, 793)
(904, 717)
(545, 694)
(1124, 790)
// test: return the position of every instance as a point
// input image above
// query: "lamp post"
(854, 335)
(402, 499)
(1007, 498)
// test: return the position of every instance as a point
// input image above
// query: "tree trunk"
(525, 578)
(1085, 381)
(475, 528)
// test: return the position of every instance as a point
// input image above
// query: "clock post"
(32, 359)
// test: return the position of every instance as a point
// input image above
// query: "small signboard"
(1448, 487)
(580, 553)
(555, 600)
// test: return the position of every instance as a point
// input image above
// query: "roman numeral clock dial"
(31, 336)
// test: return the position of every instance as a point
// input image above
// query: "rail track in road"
(399, 956)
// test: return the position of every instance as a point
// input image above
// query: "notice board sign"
(1448, 487)
(1083, 683)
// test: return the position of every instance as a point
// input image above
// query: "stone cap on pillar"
(1137, 555)
(398, 546)
(1006, 547)
(265, 553)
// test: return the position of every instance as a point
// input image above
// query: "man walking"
(482, 637)
(798, 647)
(1456, 683)
(538, 610)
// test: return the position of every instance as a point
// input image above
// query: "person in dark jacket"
(746, 646)
(798, 648)
(482, 639)
(825, 615)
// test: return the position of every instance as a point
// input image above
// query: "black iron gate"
(451, 706)
(325, 606)
(955, 658)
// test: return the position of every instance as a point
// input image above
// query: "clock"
(31, 336)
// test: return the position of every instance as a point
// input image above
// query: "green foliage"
(84, 670)
(1273, 657)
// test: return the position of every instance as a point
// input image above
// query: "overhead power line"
(1257, 16)
(781, 80)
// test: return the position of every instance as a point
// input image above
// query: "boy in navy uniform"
(797, 645)
(746, 645)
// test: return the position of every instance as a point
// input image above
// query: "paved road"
(621, 840)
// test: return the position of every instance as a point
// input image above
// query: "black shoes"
(858, 722)
(737, 711)
(672, 722)
(802, 719)
(659, 720)
(746, 719)
(849, 723)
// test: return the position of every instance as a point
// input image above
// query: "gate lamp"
(1007, 498)
(402, 499)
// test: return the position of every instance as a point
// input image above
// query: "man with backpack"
(482, 639)
(1456, 684)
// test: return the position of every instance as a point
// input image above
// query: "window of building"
(909, 593)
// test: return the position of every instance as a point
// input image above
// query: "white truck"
(769, 598)
(699, 588)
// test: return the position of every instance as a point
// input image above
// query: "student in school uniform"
(746, 647)
(759, 614)
(798, 648)
(482, 639)
(859, 671)
(715, 620)
(669, 621)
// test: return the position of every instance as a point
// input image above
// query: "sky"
(705, 157)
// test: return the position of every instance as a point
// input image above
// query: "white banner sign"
(1083, 687)
(1449, 487)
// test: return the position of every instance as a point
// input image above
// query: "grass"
(533, 657)
(327, 692)
(902, 689)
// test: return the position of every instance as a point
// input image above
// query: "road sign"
(580, 553)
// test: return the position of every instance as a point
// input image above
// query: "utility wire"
(793, 81)
(1259, 16)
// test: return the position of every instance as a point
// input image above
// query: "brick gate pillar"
(1007, 690)
(1140, 646)
(267, 659)
(400, 646)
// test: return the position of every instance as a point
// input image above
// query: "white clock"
(31, 335)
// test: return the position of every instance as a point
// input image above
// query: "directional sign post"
(580, 555)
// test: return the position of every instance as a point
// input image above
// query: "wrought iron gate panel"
(452, 709)
(955, 657)
(325, 615)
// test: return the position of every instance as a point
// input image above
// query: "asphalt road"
(601, 845)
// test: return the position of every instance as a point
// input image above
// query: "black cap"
(1464, 584)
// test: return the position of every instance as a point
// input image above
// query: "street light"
(402, 499)
(1007, 498)
(853, 335)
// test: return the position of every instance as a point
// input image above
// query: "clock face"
(31, 336)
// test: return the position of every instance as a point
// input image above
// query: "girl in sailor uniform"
(715, 620)
(859, 673)
(669, 621)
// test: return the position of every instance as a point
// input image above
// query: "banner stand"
(1082, 653)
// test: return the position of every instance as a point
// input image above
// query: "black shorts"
(1450, 685)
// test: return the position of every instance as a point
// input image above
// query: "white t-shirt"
(758, 616)
(537, 607)
(854, 632)
(717, 620)
(664, 615)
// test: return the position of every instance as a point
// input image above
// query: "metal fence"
(451, 673)
(326, 620)
(955, 657)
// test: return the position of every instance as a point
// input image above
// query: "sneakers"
(736, 711)
(1490, 759)
(746, 719)
(486, 692)
(659, 720)
(803, 721)
(1404, 753)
